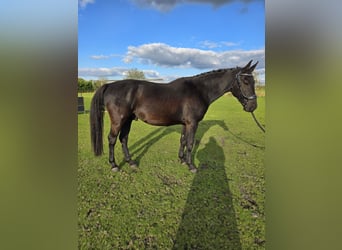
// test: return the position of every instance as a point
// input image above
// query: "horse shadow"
(208, 219)
(141, 147)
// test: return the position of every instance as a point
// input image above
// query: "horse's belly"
(158, 118)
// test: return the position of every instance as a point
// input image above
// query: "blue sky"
(168, 39)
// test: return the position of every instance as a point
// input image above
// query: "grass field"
(162, 205)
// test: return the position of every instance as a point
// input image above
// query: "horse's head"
(243, 87)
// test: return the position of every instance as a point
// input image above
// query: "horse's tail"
(96, 120)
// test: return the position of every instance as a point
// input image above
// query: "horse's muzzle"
(250, 105)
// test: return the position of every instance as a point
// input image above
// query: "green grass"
(162, 205)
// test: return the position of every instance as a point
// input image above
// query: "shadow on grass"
(209, 220)
(141, 147)
(245, 141)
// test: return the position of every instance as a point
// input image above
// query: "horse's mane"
(206, 75)
(213, 73)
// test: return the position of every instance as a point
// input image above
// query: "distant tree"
(98, 83)
(135, 74)
(256, 77)
(84, 85)
(80, 85)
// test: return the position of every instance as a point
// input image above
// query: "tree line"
(88, 85)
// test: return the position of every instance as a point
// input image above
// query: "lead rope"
(256, 121)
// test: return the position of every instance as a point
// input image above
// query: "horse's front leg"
(190, 138)
(182, 146)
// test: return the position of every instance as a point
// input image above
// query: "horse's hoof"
(133, 164)
(193, 170)
(115, 169)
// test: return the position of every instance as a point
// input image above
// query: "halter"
(237, 77)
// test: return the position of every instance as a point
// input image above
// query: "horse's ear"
(253, 67)
(248, 65)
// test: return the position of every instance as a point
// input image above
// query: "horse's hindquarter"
(118, 100)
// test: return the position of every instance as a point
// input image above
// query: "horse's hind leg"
(182, 146)
(124, 140)
(111, 141)
(113, 134)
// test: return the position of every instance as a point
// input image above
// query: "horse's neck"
(216, 87)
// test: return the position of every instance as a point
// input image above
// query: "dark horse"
(182, 101)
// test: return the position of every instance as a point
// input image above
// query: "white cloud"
(112, 72)
(230, 44)
(84, 3)
(211, 45)
(101, 72)
(164, 55)
(163, 5)
(161, 54)
(104, 57)
(99, 57)
(151, 73)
